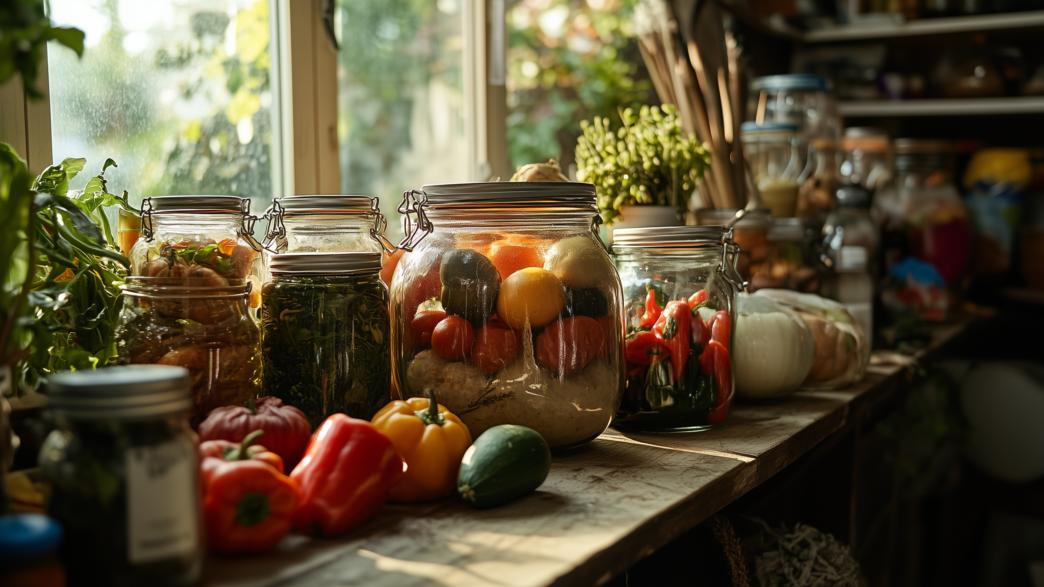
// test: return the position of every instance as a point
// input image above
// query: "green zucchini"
(504, 463)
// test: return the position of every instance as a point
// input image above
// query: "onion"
(772, 349)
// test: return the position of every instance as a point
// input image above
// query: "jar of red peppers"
(680, 286)
(508, 307)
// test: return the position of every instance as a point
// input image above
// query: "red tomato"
(453, 338)
(698, 298)
(721, 326)
(568, 345)
(495, 347)
(424, 324)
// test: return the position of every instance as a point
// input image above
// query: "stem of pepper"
(431, 415)
(252, 406)
(241, 453)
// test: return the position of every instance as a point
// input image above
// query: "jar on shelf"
(325, 334)
(680, 286)
(851, 225)
(326, 224)
(197, 324)
(750, 233)
(206, 238)
(818, 182)
(804, 100)
(793, 261)
(772, 155)
(934, 217)
(508, 306)
(122, 475)
(866, 158)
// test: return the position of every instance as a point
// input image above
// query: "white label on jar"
(161, 502)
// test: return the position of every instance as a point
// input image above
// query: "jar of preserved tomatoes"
(680, 286)
(324, 323)
(326, 224)
(508, 306)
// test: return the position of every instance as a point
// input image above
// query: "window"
(177, 92)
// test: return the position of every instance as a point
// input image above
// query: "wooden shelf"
(603, 507)
(927, 26)
(942, 107)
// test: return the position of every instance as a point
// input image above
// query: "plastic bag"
(842, 349)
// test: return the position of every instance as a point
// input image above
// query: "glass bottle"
(851, 225)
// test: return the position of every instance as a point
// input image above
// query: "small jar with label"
(325, 334)
(122, 473)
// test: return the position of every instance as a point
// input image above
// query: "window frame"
(306, 149)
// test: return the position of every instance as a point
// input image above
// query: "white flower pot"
(639, 216)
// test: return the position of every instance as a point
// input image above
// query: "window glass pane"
(401, 97)
(177, 92)
(567, 61)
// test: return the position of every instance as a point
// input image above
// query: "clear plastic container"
(771, 152)
(325, 334)
(803, 100)
(680, 286)
(508, 306)
(122, 476)
(326, 224)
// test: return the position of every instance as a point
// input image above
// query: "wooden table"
(603, 507)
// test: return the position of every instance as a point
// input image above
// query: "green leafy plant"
(648, 160)
(24, 32)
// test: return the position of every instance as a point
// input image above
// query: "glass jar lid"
(668, 237)
(131, 391)
(196, 205)
(350, 263)
(326, 205)
(767, 131)
(791, 81)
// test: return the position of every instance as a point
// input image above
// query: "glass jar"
(192, 322)
(793, 261)
(750, 233)
(934, 217)
(851, 225)
(801, 99)
(680, 287)
(324, 334)
(866, 158)
(508, 306)
(326, 224)
(770, 152)
(202, 237)
(122, 474)
(819, 180)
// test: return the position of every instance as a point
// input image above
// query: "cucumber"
(506, 462)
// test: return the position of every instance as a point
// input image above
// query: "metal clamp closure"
(380, 224)
(414, 202)
(729, 266)
(275, 231)
(146, 219)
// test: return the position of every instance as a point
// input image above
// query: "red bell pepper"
(715, 360)
(241, 451)
(698, 298)
(345, 475)
(673, 328)
(645, 348)
(721, 327)
(652, 309)
(699, 329)
(248, 505)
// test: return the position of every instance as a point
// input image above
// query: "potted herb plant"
(645, 171)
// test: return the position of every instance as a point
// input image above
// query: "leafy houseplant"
(647, 161)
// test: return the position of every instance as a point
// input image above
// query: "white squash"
(772, 349)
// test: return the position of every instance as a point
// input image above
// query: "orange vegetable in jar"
(532, 295)
(389, 261)
(510, 258)
(496, 347)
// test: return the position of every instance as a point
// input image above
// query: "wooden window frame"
(306, 149)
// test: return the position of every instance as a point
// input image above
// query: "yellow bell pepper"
(431, 441)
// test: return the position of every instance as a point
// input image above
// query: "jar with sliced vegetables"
(680, 286)
(508, 307)
(325, 344)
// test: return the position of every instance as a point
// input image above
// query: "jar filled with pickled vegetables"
(508, 306)
(326, 224)
(680, 286)
(325, 340)
(121, 473)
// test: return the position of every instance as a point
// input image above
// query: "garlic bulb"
(772, 349)
(540, 172)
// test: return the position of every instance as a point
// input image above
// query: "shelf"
(928, 26)
(602, 508)
(942, 107)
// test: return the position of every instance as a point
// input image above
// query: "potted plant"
(645, 171)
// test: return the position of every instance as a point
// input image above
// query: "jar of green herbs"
(324, 334)
(122, 476)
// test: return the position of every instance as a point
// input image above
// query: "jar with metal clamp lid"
(508, 306)
(325, 341)
(326, 224)
(680, 286)
(205, 238)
